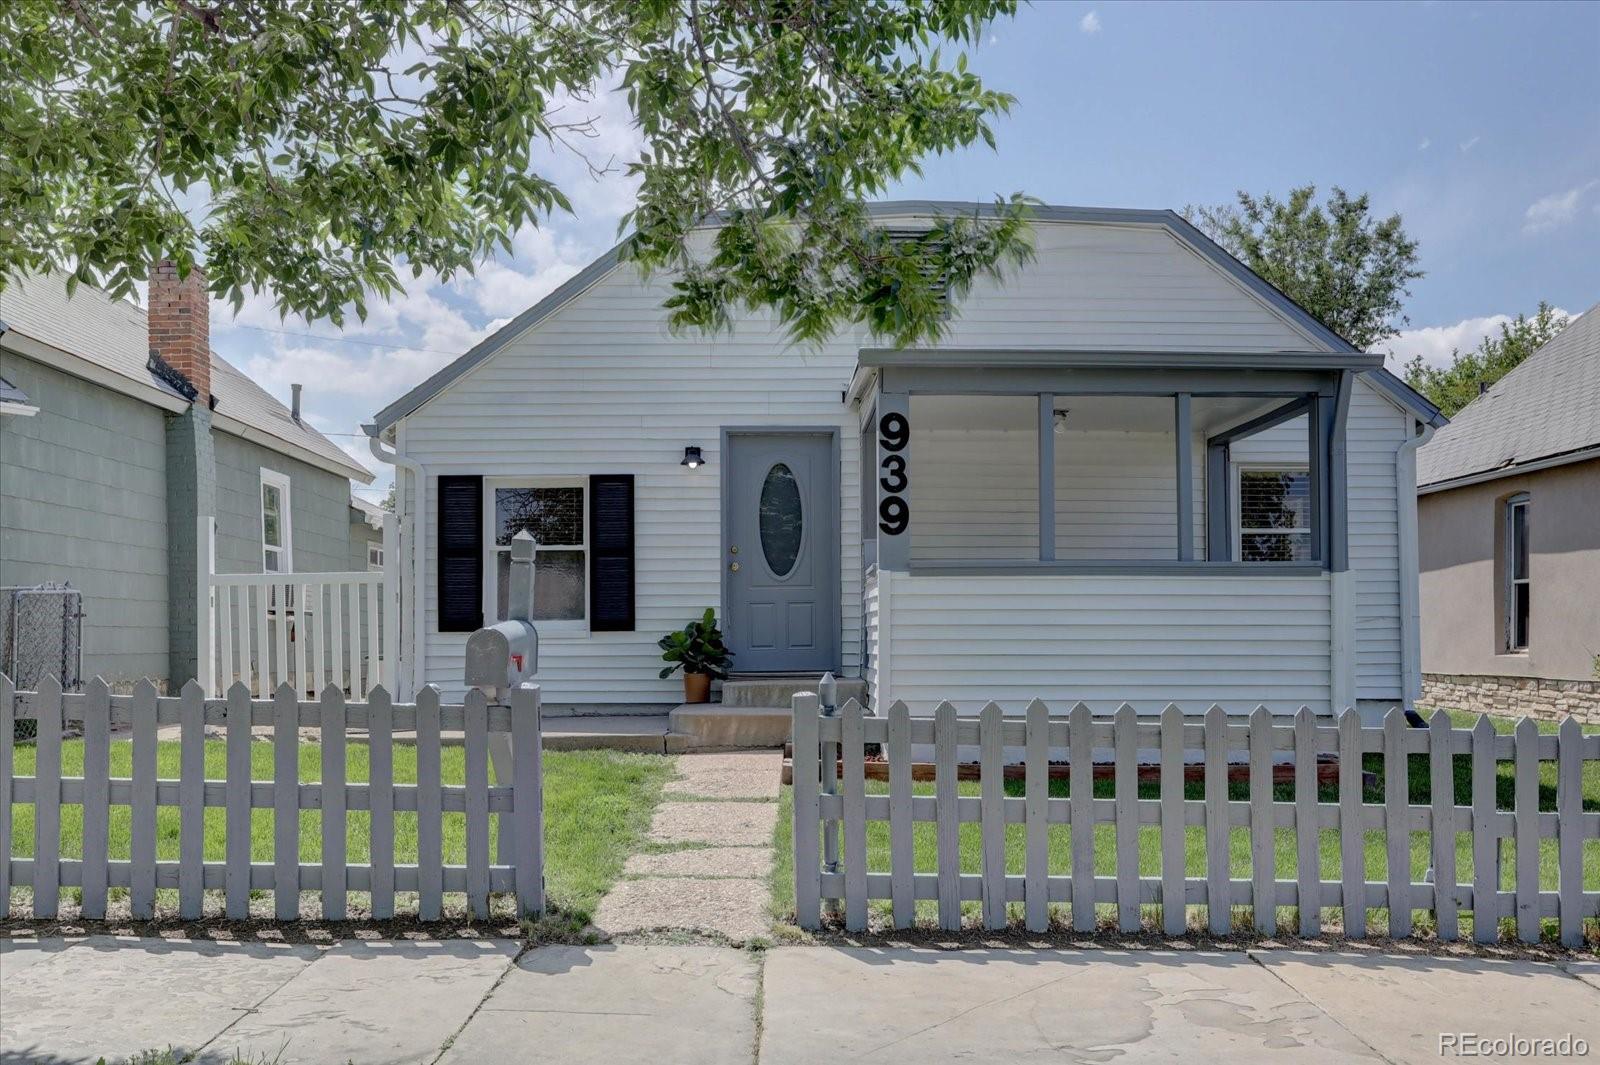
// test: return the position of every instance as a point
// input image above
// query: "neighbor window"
(276, 534)
(1274, 515)
(1516, 567)
(554, 513)
(374, 557)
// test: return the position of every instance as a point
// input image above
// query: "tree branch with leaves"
(317, 150)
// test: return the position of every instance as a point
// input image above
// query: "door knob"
(734, 550)
(733, 567)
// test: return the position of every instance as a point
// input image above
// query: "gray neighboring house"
(1509, 518)
(119, 428)
(366, 535)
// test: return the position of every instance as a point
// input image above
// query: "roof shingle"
(1546, 407)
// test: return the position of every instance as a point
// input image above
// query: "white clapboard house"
(1131, 471)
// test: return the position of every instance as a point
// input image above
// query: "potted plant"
(699, 650)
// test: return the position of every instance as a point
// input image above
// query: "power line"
(348, 340)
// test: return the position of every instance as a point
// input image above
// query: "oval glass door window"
(782, 522)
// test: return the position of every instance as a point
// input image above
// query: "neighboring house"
(1132, 470)
(135, 430)
(1510, 516)
(366, 535)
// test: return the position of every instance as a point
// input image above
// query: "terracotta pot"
(696, 687)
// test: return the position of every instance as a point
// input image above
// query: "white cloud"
(1090, 23)
(1470, 143)
(1425, 144)
(1556, 209)
(1435, 343)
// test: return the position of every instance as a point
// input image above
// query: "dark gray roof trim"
(1408, 398)
(1171, 220)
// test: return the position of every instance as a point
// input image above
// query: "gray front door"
(780, 551)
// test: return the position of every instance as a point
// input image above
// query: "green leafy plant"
(698, 648)
(317, 151)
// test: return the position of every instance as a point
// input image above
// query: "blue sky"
(1479, 123)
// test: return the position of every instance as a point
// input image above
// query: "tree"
(1345, 267)
(326, 145)
(1454, 386)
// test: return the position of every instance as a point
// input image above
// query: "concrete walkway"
(489, 1002)
(708, 857)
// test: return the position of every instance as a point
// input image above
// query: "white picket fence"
(839, 797)
(516, 802)
(308, 630)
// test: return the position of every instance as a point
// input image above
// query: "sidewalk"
(489, 1002)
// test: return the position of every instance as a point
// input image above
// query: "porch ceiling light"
(692, 457)
(1060, 420)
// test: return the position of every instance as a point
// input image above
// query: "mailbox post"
(503, 657)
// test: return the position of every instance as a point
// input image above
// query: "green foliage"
(1452, 387)
(697, 649)
(316, 149)
(1345, 267)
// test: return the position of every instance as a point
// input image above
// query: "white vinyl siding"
(974, 494)
(1117, 496)
(1376, 430)
(1238, 641)
(602, 386)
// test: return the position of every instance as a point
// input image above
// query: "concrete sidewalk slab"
(377, 1003)
(742, 824)
(733, 908)
(1401, 1005)
(107, 996)
(923, 1006)
(754, 862)
(729, 775)
(611, 1004)
(1587, 971)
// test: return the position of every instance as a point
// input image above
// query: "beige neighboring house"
(1509, 519)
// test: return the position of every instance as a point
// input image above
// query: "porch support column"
(1183, 427)
(894, 476)
(1047, 477)
(1219, 545)
(1339, 478)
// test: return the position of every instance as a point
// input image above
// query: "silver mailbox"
(504, 655)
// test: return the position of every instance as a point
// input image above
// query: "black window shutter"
(611, 552)
(460, 554)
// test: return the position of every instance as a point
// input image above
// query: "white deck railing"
(308, 630)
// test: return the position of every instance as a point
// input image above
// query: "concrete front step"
(653, 734)
(779, 691)
(718, 726)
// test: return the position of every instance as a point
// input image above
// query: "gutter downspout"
(1410, 565)
(419, 559)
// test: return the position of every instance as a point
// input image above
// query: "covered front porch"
(1145, 529)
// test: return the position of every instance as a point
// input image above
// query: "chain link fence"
(41, 634)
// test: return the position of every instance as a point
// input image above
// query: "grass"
(1060, 837)
(597, 811)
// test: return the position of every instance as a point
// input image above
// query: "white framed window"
(1517, 587)
(555, 511)
(277, 525)
(1272, 513)
(374, 556)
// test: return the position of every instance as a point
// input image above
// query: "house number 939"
(894, 513)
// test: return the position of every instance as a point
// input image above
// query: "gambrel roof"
(1543, 413)
(1171, 221)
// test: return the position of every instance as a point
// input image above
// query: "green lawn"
(926, 848)
(598, 806)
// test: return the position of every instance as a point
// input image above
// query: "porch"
(1064, 527)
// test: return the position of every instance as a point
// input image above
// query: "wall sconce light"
(1060, 420)
(692, 457)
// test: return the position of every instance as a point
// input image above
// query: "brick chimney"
(180, 324)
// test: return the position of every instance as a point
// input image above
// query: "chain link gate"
(41, 635)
